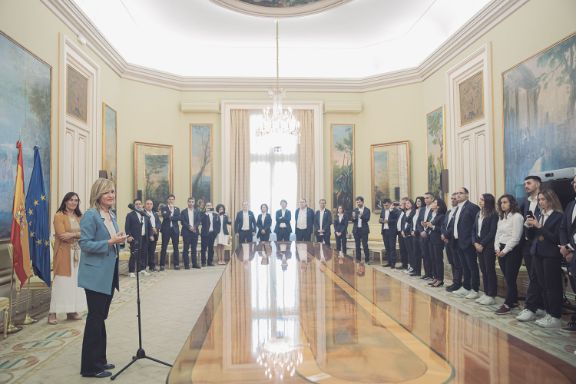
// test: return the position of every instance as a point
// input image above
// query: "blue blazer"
(545, 240)
(97, 259)
(186, 222)
(309, 219)
(341, 226)
(239, 219)
(286, 220)
(326, 221)
(265, 225)
(466, 224)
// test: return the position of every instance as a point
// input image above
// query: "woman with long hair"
(485, 227)
(436, 244)
(66, 296)
(98, 274)
(264, 224)
(508, 234)
(406, 233)
(416, 260)
(223, 236)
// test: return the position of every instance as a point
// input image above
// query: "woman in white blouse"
(508, 234)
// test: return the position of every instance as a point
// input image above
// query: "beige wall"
(152, 114)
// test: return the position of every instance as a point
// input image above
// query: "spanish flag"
(19, 235)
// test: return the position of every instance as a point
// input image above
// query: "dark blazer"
(392, 219)
(407, 222)
(326, 221)
(157, 226)
(365, 218)
(341, 225)
(309, 218)
(239, 219)
(421, 217)
(524, 208)
(488, 230)
(286, 220)
(545, 240)
(265, 225)
(435, 233)
(567, 227)
(133, 227)
(165, 212)
(206, 223)
(468, 214)
(227, 223)
(186, 221)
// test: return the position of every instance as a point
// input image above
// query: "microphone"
(140, 211)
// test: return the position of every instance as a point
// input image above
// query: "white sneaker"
(132, 274)
(549, 322)
(472, 295)
(480, 299)
(144, 272)
(462, 292)
(526, 315)
(488, 300)
(540, 313)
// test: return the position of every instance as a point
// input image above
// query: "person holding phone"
(98, 274)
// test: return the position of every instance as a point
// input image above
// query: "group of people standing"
(475, 236)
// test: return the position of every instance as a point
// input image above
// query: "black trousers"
(409, 249)
(454, 262)
(244, 236)
(425, 256)
(151, 254)
(535, 294)
(190, 244)
(403, 250)
(174, 235)
(325, 238)
(389, 238)
(207, 244)
(510, 265)
(303, 235)
(264, 236)
(94, 342)
(463, 255)
(361, 239)
(138, 253)
(283, 234)
(341, 243)
(437, 250)
(487, 261)
(470, 265)
(548, 273)
(416, 262)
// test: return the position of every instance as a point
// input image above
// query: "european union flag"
(38, 223)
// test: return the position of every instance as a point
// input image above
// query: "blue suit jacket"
(309, 219)
(240, 218)
(97, 259)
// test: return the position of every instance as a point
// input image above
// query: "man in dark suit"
(283, 228)
(155, 226)
(245, 224)
(191, 220)
(464, 216)
(138, 231)
(170, 230)
(304, 221)
(568, 246)
(322, 223)
(400, 224)
(210, 228)
(447, 231)
(388, 219)
(361, 229)
(425, 246)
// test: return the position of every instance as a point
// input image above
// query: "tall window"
(273, 169)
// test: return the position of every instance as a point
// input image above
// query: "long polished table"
(300, 312)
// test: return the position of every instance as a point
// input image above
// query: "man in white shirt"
(138, 232)
(191, 220)
(304, 221)
(388, 219)
(401, 239)
(210, 228)
(283, 228)
(361, 229)
(170, 230)
(155, 224)
(245, 224)
(322, 223)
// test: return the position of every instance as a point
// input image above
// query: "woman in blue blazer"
(264, 224)
(484, 232)
(341, 230)
(546, 256)
(435, 243)
(98, 274)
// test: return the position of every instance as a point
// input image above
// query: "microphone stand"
(140, 353)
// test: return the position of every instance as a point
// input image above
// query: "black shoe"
(99, 375)
(161, 268)
(571, 326)
(187, 267)
(203, 264)
(392, 266)
(414, 274)
(453, 287)
(196, 266)
(425, 277)
(387, 265)
(211, 264)
(108, 367)
(177, 267)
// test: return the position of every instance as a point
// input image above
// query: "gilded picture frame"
(390, 172)
(471, 98)
(153, 171)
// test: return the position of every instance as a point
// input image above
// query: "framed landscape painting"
(435, 150)
(153, 165)
(25, 101)
(540, 114)
(342, 165)
(76, 94)
(390, 172)
(471, 96)
(201, 161)
(110, 142)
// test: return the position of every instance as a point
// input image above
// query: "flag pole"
(11, 327)
(29, 319)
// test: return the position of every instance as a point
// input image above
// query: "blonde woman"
(98, 274)
(67, 297)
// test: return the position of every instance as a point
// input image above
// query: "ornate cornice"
(489, 17)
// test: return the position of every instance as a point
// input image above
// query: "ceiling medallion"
(280, 8)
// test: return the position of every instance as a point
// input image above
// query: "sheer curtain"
(306, 173)
(240, 159)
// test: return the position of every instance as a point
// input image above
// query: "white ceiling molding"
(264, 11)
(489, 17)
(352, 107)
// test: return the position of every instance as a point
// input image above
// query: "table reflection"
(312, 317)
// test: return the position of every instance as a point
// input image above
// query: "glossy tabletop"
(297, 312)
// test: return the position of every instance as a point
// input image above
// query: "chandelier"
(275, 118)
(279, 357)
